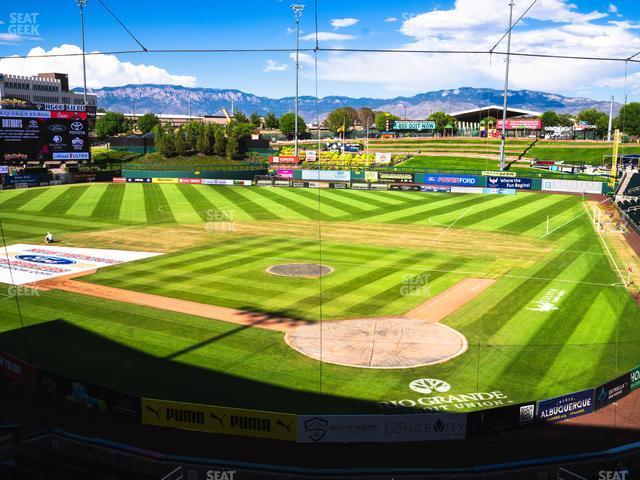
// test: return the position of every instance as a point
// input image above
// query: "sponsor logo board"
(424, 427)
(138, 180)
(509, 182)
(22, 263)
(635, 379)
(383, 158)
(371, 177)
(311, 156)
(501, 418)
(221, 420)
(364, 186)
(17, 370)
(395, 177)
(284, 173)
(566, 406)
(414, 125)
(281, 183)
(525, 124)
(284, 159)
(466, 190)
(327, 175)
(191, 181)
(4, 169)
(571, 186)
(438, 188)
(452, 180)
(499, 174)
(165, 180)
(499, 191)
(71, 155)
(340, 428)
(613, 391)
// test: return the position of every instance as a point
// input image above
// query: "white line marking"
(558, 228)
(624, 282)
(454, 222)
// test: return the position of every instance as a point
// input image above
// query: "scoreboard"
(45, 133)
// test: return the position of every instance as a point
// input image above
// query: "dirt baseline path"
(408, 341)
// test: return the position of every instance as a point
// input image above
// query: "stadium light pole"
(82, 4)
(506, 90)
(297, 12)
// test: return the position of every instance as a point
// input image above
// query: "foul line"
(450, 226)
(558, 228)
(615, 264)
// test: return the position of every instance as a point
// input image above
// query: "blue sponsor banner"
(509, 182)
(498, 191)
(451, 180)
(28, 179)
(613, 391)
(566, 406)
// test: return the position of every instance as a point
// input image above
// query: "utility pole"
(82, 4)
(297, 12)
(610, 119)
(506, 90)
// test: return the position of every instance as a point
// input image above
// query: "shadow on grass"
(68, 350)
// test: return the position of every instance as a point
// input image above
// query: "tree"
(220, 146)
(338, 119)
(550, 119)
(566, 120)
(148, 122)
(255, 119)
(182, 147)
(442, 121)
(206, 140)
(381, 120)
(232, 146)
(240, 117)
(366, 116)
(593, 116)
(165, 141)
(271, 121)
(629, 118)
(353, 114)
(111, 123)
(287, 124)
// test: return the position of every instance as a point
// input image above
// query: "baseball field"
(525, 283)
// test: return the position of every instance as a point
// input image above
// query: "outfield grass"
(219, 240)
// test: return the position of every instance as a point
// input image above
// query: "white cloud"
(9, 38)
(391, 19)
(328, 37)
(613, 8)
(343, 22)
(102, 70)
(471, 25)
(273, 66)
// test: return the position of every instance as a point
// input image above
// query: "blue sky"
(607, 28)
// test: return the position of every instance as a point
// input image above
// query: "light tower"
(297, 12)
(82, 4)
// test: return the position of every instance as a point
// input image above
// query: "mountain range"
(173, 99)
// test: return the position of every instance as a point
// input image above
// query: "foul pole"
(506, 90)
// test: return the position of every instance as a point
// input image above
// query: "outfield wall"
(406, 424)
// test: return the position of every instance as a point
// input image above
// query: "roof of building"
(478, 114)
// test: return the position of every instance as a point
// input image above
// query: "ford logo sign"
(57, 128)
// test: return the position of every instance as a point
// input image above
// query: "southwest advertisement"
(509, 183)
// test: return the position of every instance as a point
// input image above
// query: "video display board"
(40, 134)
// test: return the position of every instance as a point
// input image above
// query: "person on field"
(49, 238)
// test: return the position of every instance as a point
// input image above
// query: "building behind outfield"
(43, 88)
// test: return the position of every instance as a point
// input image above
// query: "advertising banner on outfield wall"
(452, 180)
(88, 396)
(17, 370)
(425, 427)
(327, 175)
(395, 177)
(371, 177)
(191, 181)
(566, 406)
(221, 420)
(165, 180)
(571, 186)
(509, 182)
(138, 180)
(635, 379)
(437, 188)
(613, 391)
(340, 428)
(501, 418)
(466, 189)
(405, 187)
(383, 158)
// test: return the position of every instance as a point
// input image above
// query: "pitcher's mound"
(378, 342)
(305, 270)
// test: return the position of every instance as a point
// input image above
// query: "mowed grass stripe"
(198, 201)
(310, 198)
(285, 206)
(375, 199)
(251, 208)
(86, 204)
(140, 270)
(64, 202)
(22, 198)
(435, 208)
(133, 209)
(294, 203)
(6, 195)
(156, 206)
(109, 204)
(539, 216)
(37, 203)
(261, 196)
(509, 206)
(181, 209)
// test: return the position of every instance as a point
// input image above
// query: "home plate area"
(23, 264)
